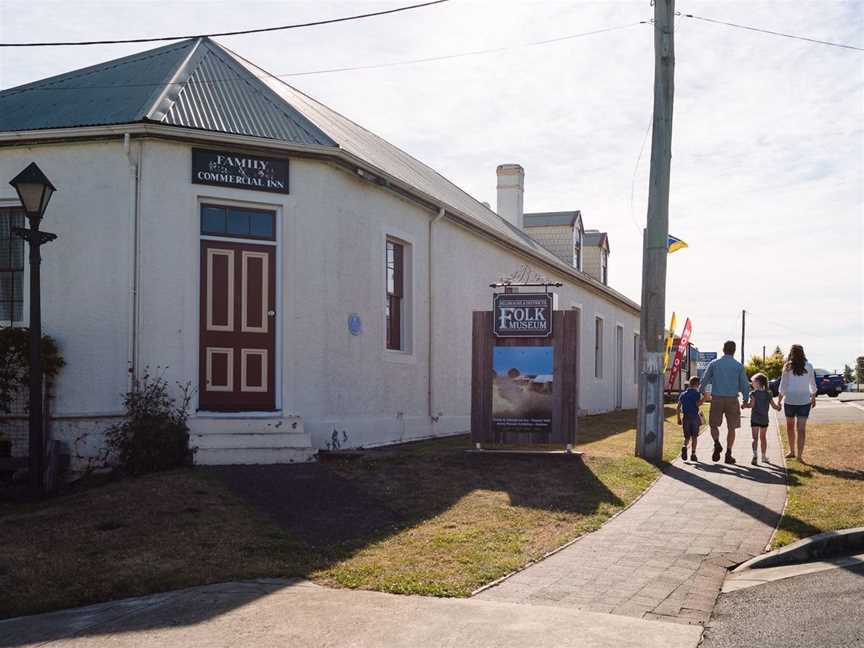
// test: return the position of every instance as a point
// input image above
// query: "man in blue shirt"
(727, 379)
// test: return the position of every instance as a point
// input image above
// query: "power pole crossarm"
(649, 440)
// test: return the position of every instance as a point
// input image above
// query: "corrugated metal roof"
(117, 92)
(380, 153)
(218, 94)
(194, 84)
(544, 219)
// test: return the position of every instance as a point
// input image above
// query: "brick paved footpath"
(666, 556)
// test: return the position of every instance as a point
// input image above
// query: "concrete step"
(239, 440)
(237, 456)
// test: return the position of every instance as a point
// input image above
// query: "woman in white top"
(798, 390)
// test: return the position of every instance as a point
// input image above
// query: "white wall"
(332, 229)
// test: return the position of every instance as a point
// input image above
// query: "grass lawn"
(826, 493)
(450, 526)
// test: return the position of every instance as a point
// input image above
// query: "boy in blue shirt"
(688, 404)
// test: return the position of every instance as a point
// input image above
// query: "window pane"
(261, 224)
(213, 220)
(238, 222)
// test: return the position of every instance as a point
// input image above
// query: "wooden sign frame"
(565, 383)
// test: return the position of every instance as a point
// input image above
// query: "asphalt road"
(822, 610)
(830, 410)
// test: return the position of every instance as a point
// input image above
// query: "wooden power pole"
(649, 439)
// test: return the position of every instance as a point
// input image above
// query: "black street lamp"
(34, 191)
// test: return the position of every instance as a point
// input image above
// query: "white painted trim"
(265, 291)
(595, 347)
(244, 386)
(409, 306)
(209, 369)
(212, 252)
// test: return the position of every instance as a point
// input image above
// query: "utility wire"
(373, 66)
(231, 33)
(773, 33)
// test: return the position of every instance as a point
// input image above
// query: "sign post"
(524, 372)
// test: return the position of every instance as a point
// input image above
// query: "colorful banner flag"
(669, 339)
(679, 354)
(674, 244)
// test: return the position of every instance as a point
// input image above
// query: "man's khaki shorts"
(727, 405)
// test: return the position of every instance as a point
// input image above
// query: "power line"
(373, 66)
(773, 33)
(231, 33)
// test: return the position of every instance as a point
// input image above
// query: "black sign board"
(522, 315)
(239, 170)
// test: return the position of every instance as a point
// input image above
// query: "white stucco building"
(314, 282)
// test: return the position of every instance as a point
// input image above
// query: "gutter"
(134, 246)
(429, 337)
(339, 156)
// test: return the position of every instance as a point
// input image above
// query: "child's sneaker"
(693, 456)
(684, 453)
(753, 461)
(730, 459)
(765, 459)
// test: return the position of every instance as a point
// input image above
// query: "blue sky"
(767, 179)
(528, 360)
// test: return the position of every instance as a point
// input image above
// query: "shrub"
(15, 363)
(153, 434)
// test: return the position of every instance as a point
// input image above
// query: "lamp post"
(34, 191)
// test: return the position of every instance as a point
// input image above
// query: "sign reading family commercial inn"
(239, 170)
(522, 315)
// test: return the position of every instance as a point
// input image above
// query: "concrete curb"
(814, 548)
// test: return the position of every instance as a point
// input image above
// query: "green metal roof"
(194, 84)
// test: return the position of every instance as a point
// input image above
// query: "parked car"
(827, 383)
(831, 384)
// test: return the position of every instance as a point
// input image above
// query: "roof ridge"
(94, 69)
(257, 84)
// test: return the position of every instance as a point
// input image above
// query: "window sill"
(399, 357)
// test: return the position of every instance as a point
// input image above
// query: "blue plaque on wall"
(355, 324)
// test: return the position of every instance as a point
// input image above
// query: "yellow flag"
(669, 339)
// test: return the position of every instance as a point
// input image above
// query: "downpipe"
(430, 394)
(134, 160)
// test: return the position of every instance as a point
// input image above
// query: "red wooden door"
(238, 327)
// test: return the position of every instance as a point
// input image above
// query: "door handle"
(271, 313)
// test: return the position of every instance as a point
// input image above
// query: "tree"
(771, 367)
(847, 374)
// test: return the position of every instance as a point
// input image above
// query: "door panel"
(238, 327)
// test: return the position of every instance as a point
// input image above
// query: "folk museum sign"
(239, 170)
(522, 315)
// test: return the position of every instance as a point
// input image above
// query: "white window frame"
(406, 353)
(599, 340)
